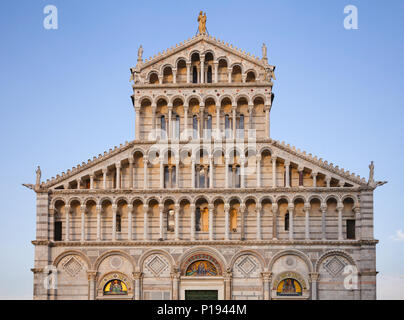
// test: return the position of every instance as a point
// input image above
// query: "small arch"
(245, 252)
(148, 253)
(298, 253)
(57, 260)
(335, 253)
(109, 253)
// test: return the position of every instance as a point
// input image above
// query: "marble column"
(211, 208)
(130, 220)
(114, 212)
(267, 122)
(154, 133)
(201, 121)
(242, 210)
(314, 175)
(83, 219)
(118, 176)
(104, 178)
(137, 122)
(145, 222)
(98, 209)
(192, 172)
(145, 164)
(91, 181)
(229, 75)
(328, 181)
(274, 182)
(307, 220)
(227, 285)
(250, 120)
(323, 221)
(218, 131)
(226, 171)
(233, 110)
(188, 72)
(242, 172)
(67, 217)
(161, 173)
(177, 173)
(177, 222)
(186, 121)
(161, 226)
(287, 174)
(258, 212)
(78, 183)
(314, 279)
(274, 221)
(131, 160)
(291, 218)
(358, 223)
(258, 158)
(137, 277)
(174, 75)
(170, 126)
(192, 233)
(91, 283)
(226, 221)
(215, 67)
(202, 59)
(211, 171)
(300, 170)
(175, 280)
(266, 284)
(339, 209)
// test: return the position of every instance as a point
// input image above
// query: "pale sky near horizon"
(65, 97)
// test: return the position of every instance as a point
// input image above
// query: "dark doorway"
(58, 231)
(201, 295)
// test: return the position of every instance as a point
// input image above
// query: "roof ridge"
(320, 162)
(181, 45)
(83, 166)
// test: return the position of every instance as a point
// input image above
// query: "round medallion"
(115, 262)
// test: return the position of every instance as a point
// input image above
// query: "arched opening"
(236, 74)
(154, 78)
(181, 71)
(223, 71)
(195, 63)
(250, 76)
(167, 75)
(115, 287)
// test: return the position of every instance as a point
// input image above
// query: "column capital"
(274, 208)
(357, 209)
(91, 274)
(177, 207)
(323, 207)
(130, 207)
(145, 207)
(137, 275)
(327, 178)
(287, 163)
(114, 207)
(104, 170)
(341, 183)
(131, 160)
(266, 275)
(314, 174)
(83, 208)
(118, 165)
(307, 206)
(314, 276)
(192, 205)
(226, 207)
(258, 157)
(291, 206)
(300, 168)
(274, 158)
(98, 207)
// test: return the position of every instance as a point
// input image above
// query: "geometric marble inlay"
(157, 265)
(72, 266)
(115, 262)
(247, 265)
(334, 266)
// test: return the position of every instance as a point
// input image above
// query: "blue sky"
(65, 96)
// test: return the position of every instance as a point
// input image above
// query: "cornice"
(203, 85)
(165, 243)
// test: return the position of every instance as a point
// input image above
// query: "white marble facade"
(203, 181)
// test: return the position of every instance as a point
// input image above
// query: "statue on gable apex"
(38, 177)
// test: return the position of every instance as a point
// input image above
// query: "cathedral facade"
(203, 204)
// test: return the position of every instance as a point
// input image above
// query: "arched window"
(209, 75)
(240, 126)
(58, 231)
(209, 126)
(195, 127)
(197, 219)
(227, 126)
(163, 126)
(287, 221)
(166, 176)
(194, 75)
(118, 223)
(233, 220)
(173, 177)
(177, 127)
(238, 177)
(205, 220)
